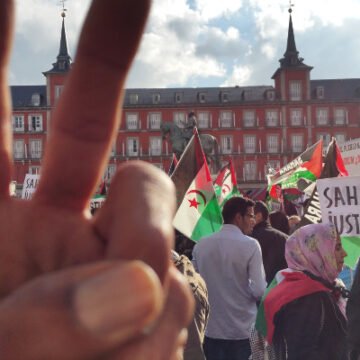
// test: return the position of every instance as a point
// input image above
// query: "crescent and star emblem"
(193, 202)
(226, 188)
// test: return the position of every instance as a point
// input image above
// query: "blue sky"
(203, 42)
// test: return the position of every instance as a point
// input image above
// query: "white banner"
(350, 151)
(29, 186)
(340, 203)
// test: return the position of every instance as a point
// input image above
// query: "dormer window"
(270, 95)
(178, 98)
(247, 95)
(201, 97)
(156, 98)
(35, 99)
(134, 98)
(224, 97)
(320, 93)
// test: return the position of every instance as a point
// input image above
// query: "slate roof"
(191, 96)
(22, 95)
(337, 89)
(334, 90)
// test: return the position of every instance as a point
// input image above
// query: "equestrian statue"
(179, 137)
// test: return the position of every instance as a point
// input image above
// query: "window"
(113, 149)
(339, 116)
(249, 144)
(179, 119)
(296, 117)
(272, 166)
(224, 96)
(35, 149)
(320, 93)
(272, 142)
(132, 146)
(134, 99)
(297, 143)
(154, 120)
(203, 120)
(156, 98)
(340, 138)
(34, 170)
(132, 121)
(18, 123)
(249, 170)
(109, 172)
(272, 117)
(58, 91)
(295, 90)
(201, 97)
(35, 123)
(249, 118)
(226, 119)
(19, 149)
(322, 116)
(326, 139)
(270, 95)
(35, 99)
(178, 98)
(226, 144)
(155, 145)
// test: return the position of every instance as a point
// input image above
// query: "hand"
(72, 287)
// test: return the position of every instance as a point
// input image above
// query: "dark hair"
(235, 205)
(260, 207)
(279, 221)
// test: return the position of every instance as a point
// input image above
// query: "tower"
(55, 77)
(292, 78)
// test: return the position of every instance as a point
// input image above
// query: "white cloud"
(240, 76)
(198, 42)
(215, 9)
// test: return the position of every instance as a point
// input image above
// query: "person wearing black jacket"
(272, 242)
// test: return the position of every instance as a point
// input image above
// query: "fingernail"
(120, 302)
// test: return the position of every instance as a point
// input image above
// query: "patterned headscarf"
(312, 248)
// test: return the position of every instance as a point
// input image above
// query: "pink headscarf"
(312, 248)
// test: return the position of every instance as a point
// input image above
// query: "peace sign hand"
(74, 287)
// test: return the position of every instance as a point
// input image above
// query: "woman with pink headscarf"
(302, 313)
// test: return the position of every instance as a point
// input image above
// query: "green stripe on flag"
(351, 245)
(260, 323)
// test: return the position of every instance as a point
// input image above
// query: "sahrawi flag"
(198, 212)
(306, 168)
(333, 167)
(226, 184)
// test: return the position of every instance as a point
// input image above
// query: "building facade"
(259, 127)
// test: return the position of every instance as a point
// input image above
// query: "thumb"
(83, 312)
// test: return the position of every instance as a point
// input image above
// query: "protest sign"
(29, 186)
(340, 204)
(350, 151)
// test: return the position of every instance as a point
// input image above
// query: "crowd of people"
(104, 287)
(276, 295)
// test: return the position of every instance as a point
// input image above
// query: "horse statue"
(179, 138)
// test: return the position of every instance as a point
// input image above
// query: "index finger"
(6, 31)
(88, 112)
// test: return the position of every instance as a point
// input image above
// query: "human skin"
(72, 286)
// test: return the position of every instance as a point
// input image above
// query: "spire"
(63, 60)
(291, 57)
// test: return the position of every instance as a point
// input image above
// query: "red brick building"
(258, 126)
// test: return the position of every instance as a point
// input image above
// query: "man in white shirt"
(231, 264)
